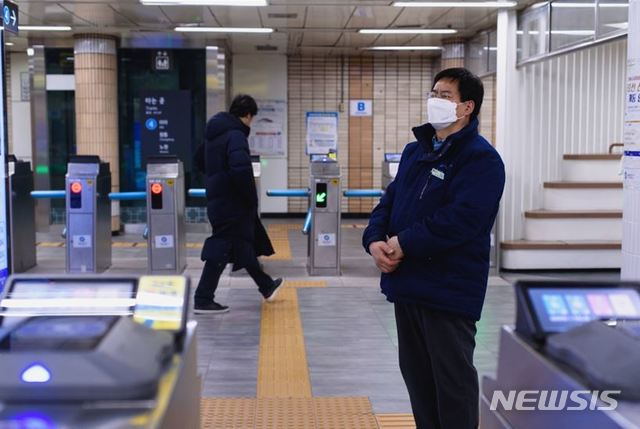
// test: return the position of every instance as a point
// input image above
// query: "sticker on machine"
(164, 241)
(326, 239)
(81, 241)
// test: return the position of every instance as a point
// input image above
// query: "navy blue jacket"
(232, 199)
(442, 206)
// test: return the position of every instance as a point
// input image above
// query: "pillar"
(452, 53)
(631, 212)
(40, 135)
(96, 99)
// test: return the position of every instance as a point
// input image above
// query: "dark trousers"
(213, 270)
(436, 361)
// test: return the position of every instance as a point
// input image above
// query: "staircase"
(580, 226)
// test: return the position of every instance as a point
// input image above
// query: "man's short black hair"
(469, 85)
(243, 105)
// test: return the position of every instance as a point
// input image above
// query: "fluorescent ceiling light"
(455, 4)
(9, 44)
(587, 5)
(620, 25)
(404, 48)
(44, 28)
(408, 31)
(204, 2)
(223, 30)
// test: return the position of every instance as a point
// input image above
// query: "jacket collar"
(424, 135)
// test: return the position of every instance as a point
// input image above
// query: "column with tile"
(452, 53)
(96, 100)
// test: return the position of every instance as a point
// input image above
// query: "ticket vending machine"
(324, 235)
(166, 244)
(98, 352)
(390, 168)
(21, 216)
(88, 228)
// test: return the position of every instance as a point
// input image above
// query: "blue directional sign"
(10, 16)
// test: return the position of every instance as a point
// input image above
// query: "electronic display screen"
(162, 303)
(58, 333)
(27, 297)
(561, 309)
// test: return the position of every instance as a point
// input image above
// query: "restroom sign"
(361, 108)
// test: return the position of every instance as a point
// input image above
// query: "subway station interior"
(324, 214)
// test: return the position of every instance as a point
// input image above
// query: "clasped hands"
(387, 254)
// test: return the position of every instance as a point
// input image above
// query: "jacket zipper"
(424, 188)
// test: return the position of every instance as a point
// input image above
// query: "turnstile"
(324, 234)
(21, 216)
(98, 352)
(390, 168)
(88, 229)
(257, 172)
(165, 215)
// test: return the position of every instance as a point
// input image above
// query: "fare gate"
(88, 225)
(390, 168)
(21, 215)
(324, 234)
(165, 215)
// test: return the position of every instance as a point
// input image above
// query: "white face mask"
(441, 113)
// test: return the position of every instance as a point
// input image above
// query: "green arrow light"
(321, 197)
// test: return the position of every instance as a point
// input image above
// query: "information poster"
(165, 124)
(322, 132)
(267, 136)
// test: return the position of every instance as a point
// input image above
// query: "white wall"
(265, 77)
(20, 110)
(572, 103)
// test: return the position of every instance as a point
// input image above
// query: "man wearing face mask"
(430, 238)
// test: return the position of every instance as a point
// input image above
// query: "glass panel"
(62, 137)
(533, 32)
(139, 70)
(572, 22)
(59, 61)
(493, 51)
(476, 54)
(613, 17)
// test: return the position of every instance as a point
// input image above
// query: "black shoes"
(210, 308)
(270, 294)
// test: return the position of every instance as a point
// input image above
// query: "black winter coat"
(441, 206)
(232, 199)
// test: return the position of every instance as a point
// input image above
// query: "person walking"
(238, 236)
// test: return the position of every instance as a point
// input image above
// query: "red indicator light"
(76, 187)
(156, 188)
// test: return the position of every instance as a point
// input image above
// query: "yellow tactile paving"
(279, 235)
(287, 413)
(396, 421)
(282, 362)
(305, 283)
(122, 244)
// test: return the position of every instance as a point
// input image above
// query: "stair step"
(593, 157)
(554, 255)
(573, 214)
(583, 185)
(560, 245)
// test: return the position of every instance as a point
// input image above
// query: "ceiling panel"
(241, 43)
(189, 15)
(320, 38)
(237, 16)
(142, 15)
(273, 21)
(373, 17)
(97, 13)
(356, 40)
(467, 21)
(328, 17)
(48, 13)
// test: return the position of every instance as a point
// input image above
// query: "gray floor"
(349, 328)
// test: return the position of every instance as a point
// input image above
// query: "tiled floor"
(349, 330)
